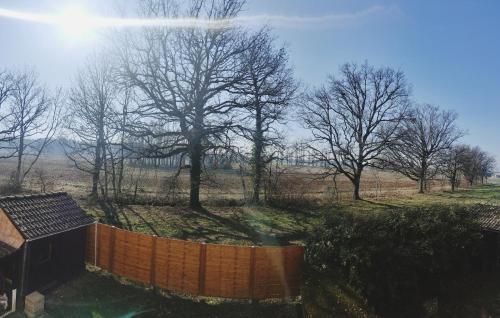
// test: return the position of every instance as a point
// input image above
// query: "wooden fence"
(228, 271)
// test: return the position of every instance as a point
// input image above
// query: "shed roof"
(41, 215)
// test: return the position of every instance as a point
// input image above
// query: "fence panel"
(227, 271)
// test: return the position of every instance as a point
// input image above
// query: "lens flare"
(75, 22)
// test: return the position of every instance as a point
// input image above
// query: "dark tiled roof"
(40, 215)
(5, 250)
(490, 220)
(488, 216)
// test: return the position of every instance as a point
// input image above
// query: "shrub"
(398, 260)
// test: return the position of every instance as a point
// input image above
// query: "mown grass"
(246, 225)
(264, 225)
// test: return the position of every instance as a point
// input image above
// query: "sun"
(76, 23)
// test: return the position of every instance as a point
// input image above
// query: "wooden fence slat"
(202, 269)
(112, 250)
(152, 279)
(251, 287)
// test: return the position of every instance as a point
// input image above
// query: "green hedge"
(403, 262)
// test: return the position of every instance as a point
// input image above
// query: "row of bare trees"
(466, 163)
(364, 118)
(193, 91)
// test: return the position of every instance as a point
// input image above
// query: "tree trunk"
(356, 184)
(422, 178)
(257, 157)
(195, 176)
(421, 188)
(96, 171)
(98, 157)
(196, 153)
(18, 177)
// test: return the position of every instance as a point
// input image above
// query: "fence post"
(251, 279)
(152, 278)
(203, 265)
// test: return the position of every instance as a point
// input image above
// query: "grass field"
(262, 225)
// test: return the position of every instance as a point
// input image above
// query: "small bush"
(398, 260)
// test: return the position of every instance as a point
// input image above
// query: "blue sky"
(449, 50)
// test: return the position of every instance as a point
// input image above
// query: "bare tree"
(183, 78)
(7, 125)
(91, 111)
(452, 164)
(355, 118)
(266, 92)
(424, 139)
(36, 116)
(118, 143)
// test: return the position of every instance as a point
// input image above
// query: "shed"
(42, 240)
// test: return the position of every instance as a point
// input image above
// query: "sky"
(448, 49)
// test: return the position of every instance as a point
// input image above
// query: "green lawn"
(261, 225)
(99, 295)
(245, 225)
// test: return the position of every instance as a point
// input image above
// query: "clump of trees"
(476, 165)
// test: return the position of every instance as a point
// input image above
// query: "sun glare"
(76, 23)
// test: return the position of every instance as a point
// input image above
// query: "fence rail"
(228, 271)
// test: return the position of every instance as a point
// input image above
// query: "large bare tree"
(266, 92)
(183, 80)
(424, 139)
(355, 117)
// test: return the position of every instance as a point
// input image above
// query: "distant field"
(218, 185)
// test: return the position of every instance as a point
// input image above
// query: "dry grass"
(219, 186)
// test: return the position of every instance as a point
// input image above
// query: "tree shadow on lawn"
(99, 295)
(240, 225)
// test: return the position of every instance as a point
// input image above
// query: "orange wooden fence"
(214, 270)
